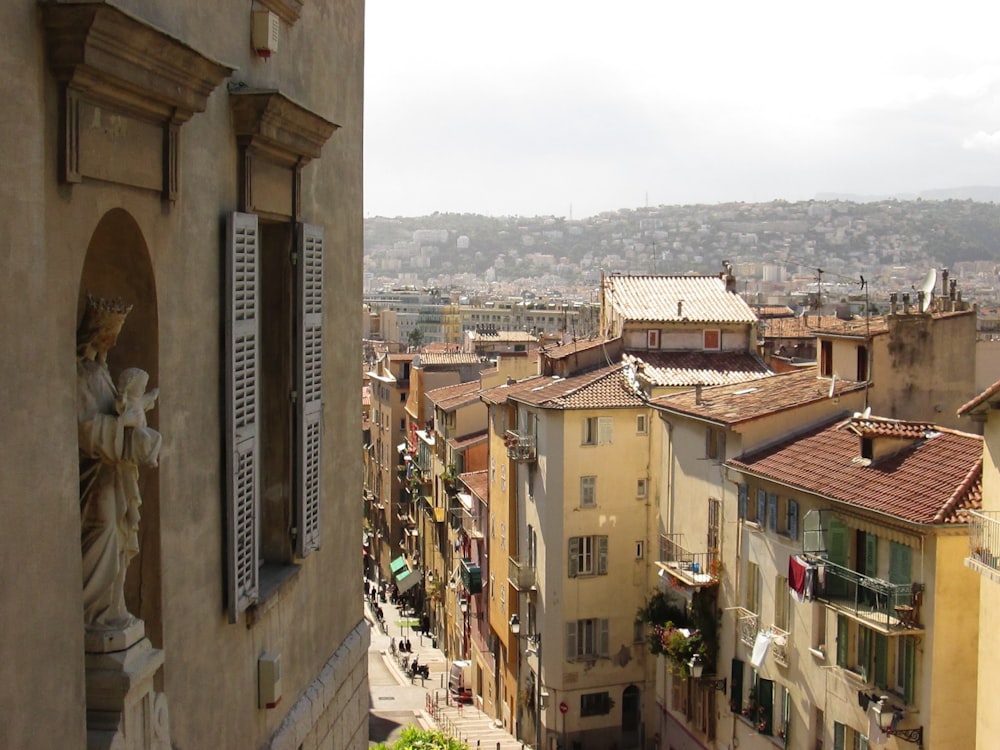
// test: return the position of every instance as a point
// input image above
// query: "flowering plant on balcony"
(678, 645)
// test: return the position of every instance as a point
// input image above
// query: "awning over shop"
(407, 581)
(398, 565)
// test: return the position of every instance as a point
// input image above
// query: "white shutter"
(242, 405)
(603, 637)
(309, 387)
(571, 652)
(604, 425)
(602, 555)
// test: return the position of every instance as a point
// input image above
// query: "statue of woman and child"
(115, 441)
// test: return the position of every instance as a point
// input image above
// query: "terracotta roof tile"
(478, 483)
(680, 369)
(732, 404)
(452, 396)
(986, 396)
(461, 443)
(831, 325)
(655, 298)
(773, 311)
(575, 347)
(427, 359)
(795, 328)
(871, 427)
(492, 336)
(930, 481)
(601, 388)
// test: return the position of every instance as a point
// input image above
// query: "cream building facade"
(151, 155)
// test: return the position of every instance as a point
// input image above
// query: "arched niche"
(118, 266)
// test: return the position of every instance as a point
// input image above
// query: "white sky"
(553, 106)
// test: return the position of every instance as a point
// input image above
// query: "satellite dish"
(928, 290)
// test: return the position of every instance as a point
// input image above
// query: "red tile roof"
(461, 443)
(733, 404)
(983, 398)
(686, 369)
(796, 328)
(478, 483)
(450, 397)
(655, 298)
(575, 347)
(428, 359)
(602, 388)
(831, 325)
(773, 311)
(930, 481)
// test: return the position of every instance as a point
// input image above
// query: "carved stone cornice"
(117, 59)
(126, 87)
(269, 124)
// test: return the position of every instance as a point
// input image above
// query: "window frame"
(706, 339)
(588, 491)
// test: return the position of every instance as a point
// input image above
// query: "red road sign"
(563, 708)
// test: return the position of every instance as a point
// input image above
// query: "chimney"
(906, 304)
(680, 308)
(944, 282)
(697, 393)
(893, 303)
(920, 299)
(510, 380)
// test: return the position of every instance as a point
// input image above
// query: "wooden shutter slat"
(242, 361)
(309, 386)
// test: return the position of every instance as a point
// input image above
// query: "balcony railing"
(779, 645)
(747, 625)
(520, 446)
(875, 601)
(692, 568)
(521, 574)
(984, 541)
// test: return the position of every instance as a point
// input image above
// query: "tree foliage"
(415, 738)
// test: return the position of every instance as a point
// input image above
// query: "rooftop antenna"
(927, 290)
(868, 345)
(819, 292)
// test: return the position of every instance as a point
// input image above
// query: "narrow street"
(397, 702)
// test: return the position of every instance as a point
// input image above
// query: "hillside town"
(707, 524)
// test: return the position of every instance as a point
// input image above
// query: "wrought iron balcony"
(520, 446)
(780, 645)
(691, 568)
(747, 625)
(984, 543)
(874, 601)
(521, 574)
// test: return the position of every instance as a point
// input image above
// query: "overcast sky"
(573, 107)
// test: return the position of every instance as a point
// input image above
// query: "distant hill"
(980, 193)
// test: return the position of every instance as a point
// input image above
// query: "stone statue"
(114, 442)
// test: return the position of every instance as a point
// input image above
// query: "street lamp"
(697, 666)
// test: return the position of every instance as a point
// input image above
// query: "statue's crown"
(102, 313)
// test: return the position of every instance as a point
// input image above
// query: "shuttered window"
(588, 555)
(242, 469)
(309, 386)
(587, 638)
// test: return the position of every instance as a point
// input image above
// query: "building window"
(641, 424)
(588, 492)
(588, 555)
(595, 704)
(586, 638)
(597, 430)
(715, 443)
(641, 486)
(712, 339)
(653, 338)
(826, 359)
(639, 550)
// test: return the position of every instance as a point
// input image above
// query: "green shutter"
(900, 563)
(910, 661)
(765, 699)
(871, 555)
(881, 661)
(836, 585)
(865, 652)
(736, 687)
(842, 640)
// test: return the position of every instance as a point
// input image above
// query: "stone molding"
(114, 61)
(287, 10)
(267, 122)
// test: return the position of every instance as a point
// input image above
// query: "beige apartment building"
(698, 548)
(180, 186)
(859, 622)
(983, 557)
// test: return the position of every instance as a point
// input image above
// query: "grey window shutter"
(603, 638)
(602, 555)
(571, 652)
(574, 556)
(309, 386)
(242, 468)
(605, 426)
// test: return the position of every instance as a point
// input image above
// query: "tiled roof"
(732, 404)
(930, 481)
(602, 388)
(478, 483)
(831, 325)
(773, 311)
(502, 336)
(796, 328)
(452, 396)
(983, 398)
(461, 443)
(655, 298)
(446, 358)
(680, 369)
(575, 347)
(872, 427)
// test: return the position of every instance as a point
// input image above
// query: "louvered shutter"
(900, 563)
(604, 428)
(743, 492)
(842, 640)
(603, 637)
(602, 555)
(772, 512)
(242, 405)
(793, 519)
(871, 555)
(881, 661)
(736, 687)
(571, 653)
(309, 387)
(761, 507)
(765, 699)
(574, 555)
